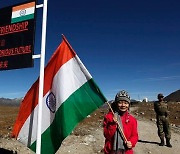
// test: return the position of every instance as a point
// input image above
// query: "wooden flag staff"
(119, 127)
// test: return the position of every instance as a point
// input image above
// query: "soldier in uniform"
(161, 109)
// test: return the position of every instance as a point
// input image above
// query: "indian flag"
(23, 12)
(70, 95)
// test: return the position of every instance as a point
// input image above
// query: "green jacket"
(161, 108)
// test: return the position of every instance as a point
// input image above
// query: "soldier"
(161, 109)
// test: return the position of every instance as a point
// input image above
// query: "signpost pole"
(41, 78)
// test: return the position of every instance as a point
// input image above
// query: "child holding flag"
(120, 127)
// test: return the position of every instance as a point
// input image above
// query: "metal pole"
(41, 78)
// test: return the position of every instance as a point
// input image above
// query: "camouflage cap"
(160, 95)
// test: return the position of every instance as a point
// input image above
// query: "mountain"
(173, 97)
(7, 101)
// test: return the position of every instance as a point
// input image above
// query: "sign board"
(17, 32)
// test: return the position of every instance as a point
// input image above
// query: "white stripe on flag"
(67, 80)
(17, 14)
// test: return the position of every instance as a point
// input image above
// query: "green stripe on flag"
(77, 107)
(22, 18)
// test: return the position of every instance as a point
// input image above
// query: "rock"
(142, 113)
(88, 139)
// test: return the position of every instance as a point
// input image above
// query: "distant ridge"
(173, 97)
(13, 102)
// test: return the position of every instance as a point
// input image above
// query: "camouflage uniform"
(164, 130)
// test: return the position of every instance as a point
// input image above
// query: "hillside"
(173, 97)
(13, 102)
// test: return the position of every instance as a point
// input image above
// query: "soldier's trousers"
(164, 129)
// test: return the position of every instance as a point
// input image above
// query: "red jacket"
(129, 128)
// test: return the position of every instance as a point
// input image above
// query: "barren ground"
(87, 137)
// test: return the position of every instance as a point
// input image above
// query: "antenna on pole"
(138, 97)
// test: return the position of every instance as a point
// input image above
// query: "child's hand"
(129, 144)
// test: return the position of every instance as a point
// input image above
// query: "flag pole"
(119, 127)
(41, 77)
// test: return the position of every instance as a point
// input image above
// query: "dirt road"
(92, 141)
(148, 140)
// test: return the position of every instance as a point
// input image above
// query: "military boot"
(168, 143)
(162, 142)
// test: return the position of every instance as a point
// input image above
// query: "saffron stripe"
(59, 58)
(66, 81)
(24, 6)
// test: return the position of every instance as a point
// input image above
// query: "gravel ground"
(88, 138)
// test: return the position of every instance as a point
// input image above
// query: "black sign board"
(17, 32)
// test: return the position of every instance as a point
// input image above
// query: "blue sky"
(125, 44)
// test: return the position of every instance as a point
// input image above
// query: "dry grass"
(146, 110)
(8, 116)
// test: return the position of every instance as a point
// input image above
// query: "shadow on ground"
(5, 151)
(150, 142)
